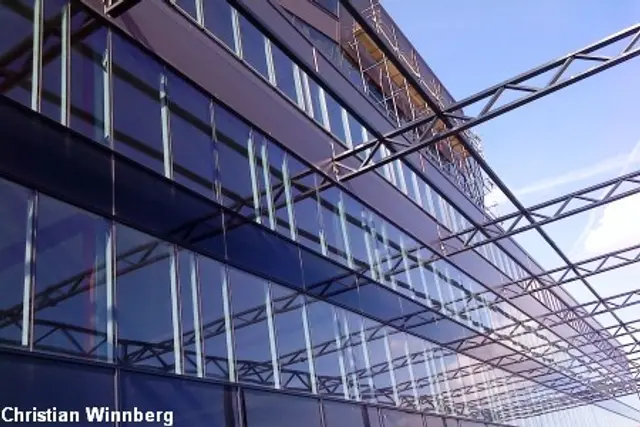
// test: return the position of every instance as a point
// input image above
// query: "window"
(253, 46)
(136, 105)
(285, 74)
(314, 95)
(88, 81)
(13, 232)
(52, 67)
(336, 123)
(330, 6)
(16, 29)
(191, 136)
(143, 293)
(70, 306)
(232, 136)
(291, 338)
(342, 414)
(251, 328)
(264, 409)
(189, 6)
(329, 365)
(218, 18)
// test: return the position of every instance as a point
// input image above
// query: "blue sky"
(574, 138)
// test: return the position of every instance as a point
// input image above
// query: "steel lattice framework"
(608, 370)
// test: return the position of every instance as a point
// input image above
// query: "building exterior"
(174, 235)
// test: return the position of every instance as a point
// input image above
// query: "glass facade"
(151, 271)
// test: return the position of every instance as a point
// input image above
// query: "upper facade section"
(370, 50)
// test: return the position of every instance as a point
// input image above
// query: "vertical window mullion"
(175, 310)
(289, 200)
(237, 37)
(226, 303)
(110, 274)
(270, 65)
(65, 77)
(107, 95)
(36, 75)
(272, 336)
(251, 151)
(199, 12)
(29, 271)
(267, 186)
(166, 133)
(309, 347)
(196, 303)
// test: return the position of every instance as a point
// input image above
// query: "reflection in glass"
(253, 46)
(251, 328)
(16, 62)
(192, 146)
(232, 136)
(327, 354)
(143, 299)
(13, 234)
(265, 409)
(89, 78)
(215, 328)
(291, 338)
(218, 18)
(70, 308)
(342, 414)
(336, 124)
(51, 100)
(285, 73)
(137, 116)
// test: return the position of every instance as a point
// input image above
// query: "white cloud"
(617, 228)
(615, 163)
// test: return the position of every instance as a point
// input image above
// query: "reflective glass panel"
(13, 234)
(253, 46)
(17, 63)
(191, 136)
(218, 18)
(143, 298)
(285, 73)
(52, 66)
(137, 116)
(264, 409)
(291, 339)
(88, 79)
(254, 363)
(70, 308)
(215, 334)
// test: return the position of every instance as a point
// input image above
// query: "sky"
(577, 137)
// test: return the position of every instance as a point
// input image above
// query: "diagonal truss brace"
(547, 212)
(489, 99)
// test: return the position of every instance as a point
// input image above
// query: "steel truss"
(423, 132)
(415, 137)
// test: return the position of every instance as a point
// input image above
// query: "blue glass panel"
(52, 67)
(265, 409)
(88, 78)
(379, 302)
(215, 334)
(191, 403)
(17, 30)
(143, 291)
(137, 119)
(57, 384)
(290, 338)
(253, 46)
(65, 165)
(255, 249)
(218, 19)
(342, 414)
(391, 418)
(71, 311)
(195, 222)
(13, 232)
